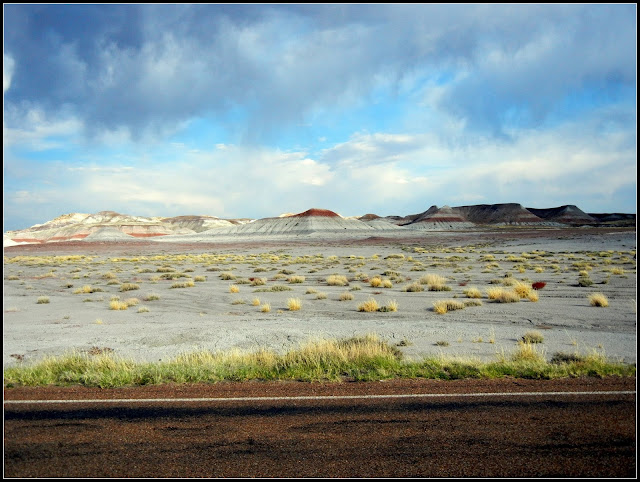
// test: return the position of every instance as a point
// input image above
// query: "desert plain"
(149, 300)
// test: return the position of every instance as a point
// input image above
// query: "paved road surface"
(257, 430)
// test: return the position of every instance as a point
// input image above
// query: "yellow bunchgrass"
(43, 300)
(255, 302)
(85, 289)
(234, 289)
(258, 281)
(294, 304)
(432, 279)
(200, 279)
(444, 306)
(296, 279)
(132, 301)
(129, 287)
(337, 280)
(533, 296)
(183, 284)
(472, 292)
(522, 289)
(598, 299)
(265, 308)
(118, 305)
(502, 295)
(386, 283)
(375, 282)
(392, 305)
(345, 296)
(370, 305)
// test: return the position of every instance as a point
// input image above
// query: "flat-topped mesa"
(314, 212)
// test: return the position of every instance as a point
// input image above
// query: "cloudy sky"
(256, 110)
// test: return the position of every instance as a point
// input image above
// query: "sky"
(254, 110)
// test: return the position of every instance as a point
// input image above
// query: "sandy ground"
(209, 316)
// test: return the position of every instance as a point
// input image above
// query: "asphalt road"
(508, 428)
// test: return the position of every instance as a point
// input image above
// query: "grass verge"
(360, 358)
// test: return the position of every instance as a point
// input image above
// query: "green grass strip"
(361, 358)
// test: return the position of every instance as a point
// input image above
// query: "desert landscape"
(468, 282)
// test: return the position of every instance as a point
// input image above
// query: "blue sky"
(256, 110)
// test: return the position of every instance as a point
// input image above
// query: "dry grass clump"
(528, 352)
(501, 295)
(118, 305)
(255, 302)
(522, 289)
(472, 292)
(151, 297)
(129, 287)
(598, 299)
(321, 296)
(132, 301)
(143, 309)
(199, 279)
(392, 305)
(345, 296)
(533, 337)
(234, 289)
(337, 280)
(368, 306)
(386, 283)
(265, 308)
(375, 282)
(258, 281)
(183, 284)
(533, 296)
(296, 279)
(444, 306)
(294, 304)
(86, 289)
(414, 287)
(42, 300)
(226, 275)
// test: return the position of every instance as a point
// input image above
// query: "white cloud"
(8, 65)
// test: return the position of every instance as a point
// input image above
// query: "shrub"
(375, 282)
(43, 300)
(183, 284)
(443, 306)
(118, 305)
(584, 282)
(369, 305)
(598, 299)
(501, 295)
(392, 305)
(337, 280)
(129, 287)
(522, 289)
(472, 293)
(294, 304)
(533, 337)
(414, 287)
(538, 285)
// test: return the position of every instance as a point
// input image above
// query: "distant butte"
(314, 212)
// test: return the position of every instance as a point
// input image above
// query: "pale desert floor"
(209, 316)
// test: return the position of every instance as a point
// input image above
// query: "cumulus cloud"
(277, 65)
